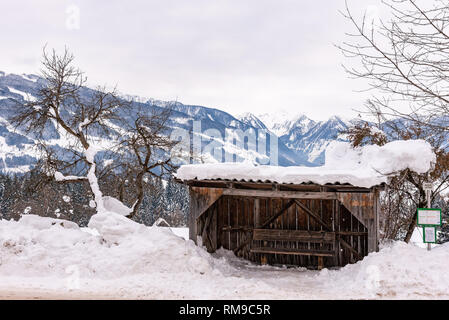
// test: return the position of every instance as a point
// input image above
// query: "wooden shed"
(307, 224)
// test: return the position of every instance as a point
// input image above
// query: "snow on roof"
(363, 167)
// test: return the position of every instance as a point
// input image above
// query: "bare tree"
(80, 116)
(147, 146)
(405, 60)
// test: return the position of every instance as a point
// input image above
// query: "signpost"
(429, 218)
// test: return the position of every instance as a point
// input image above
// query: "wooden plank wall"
(229, 221)
(365, 207)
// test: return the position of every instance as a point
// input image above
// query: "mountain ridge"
(301, 140)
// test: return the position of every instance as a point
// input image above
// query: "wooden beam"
(314, 215)
(293, 235)
(280, 194)
(283, 210)
(293, 251)
(233, 229)
(205, 232)
(266, 223)
(352, 233)
(328, 228)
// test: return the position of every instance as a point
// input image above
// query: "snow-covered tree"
(404, 193)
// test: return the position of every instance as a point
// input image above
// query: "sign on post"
(427, 186)
(429, 235)
(429, 217)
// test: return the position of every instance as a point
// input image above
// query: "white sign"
(427, 186)
(430, 217)
(429, 235)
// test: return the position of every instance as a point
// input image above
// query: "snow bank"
(112, 247)
(365, 167)
(118, 258)
(114, 205)
(42, 223)
(399, 271)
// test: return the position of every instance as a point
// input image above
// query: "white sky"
(239, 56)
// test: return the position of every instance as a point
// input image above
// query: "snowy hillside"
(117, 258)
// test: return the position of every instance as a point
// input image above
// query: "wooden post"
(338, 226)
(320, 263)
(256, 213)
(335, 229)
(375, 230)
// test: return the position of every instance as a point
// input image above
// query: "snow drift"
(364, 167)
(116, 257)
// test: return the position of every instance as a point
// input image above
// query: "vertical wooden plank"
(256, 212)
(213, 227)
(334, 228)
(229, 223)
(236, 222)
(192, 223)
(320, 263)
(250, 224)
(351, 238)
(274, 225)
(268, 212)
(316, 227)
(244, 223)
(340, 252)
(219, 217)
(320, 259)
(256, 223)
(308, 262)
(299, 258)
(376, 217)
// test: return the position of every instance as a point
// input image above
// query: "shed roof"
(363, 167)
(248, 173)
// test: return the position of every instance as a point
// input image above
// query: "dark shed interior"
(306, 224)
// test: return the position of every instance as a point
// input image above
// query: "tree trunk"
(411, 228)
(140, 194)
(412, 224)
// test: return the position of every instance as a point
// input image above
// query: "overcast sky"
(236, 55)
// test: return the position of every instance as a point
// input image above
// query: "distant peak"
(335, 117)
(246, 115)
(251, 119)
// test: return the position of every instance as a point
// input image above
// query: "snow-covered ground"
(117, 258)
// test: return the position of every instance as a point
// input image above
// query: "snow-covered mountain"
(302, 141)
(281, 123)
(314, 137)
(304, 135)
(253, 121)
